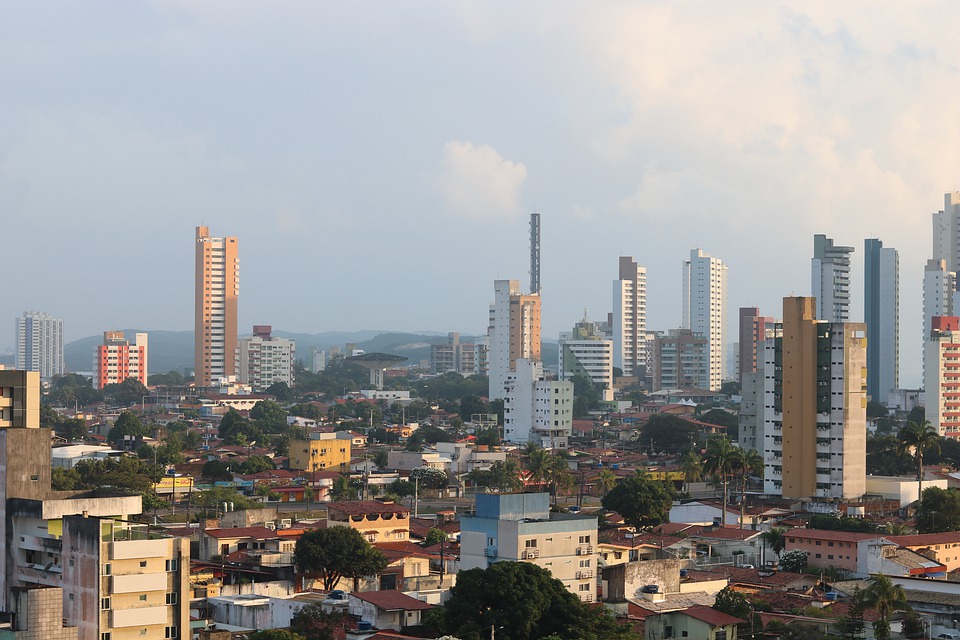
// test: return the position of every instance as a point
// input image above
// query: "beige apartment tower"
(815, 399)
(513, 332)
(215, 323)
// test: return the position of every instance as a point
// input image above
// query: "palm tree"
(886, 597)
(775, 538)
(897, 528)
(718, 461)
(747, 462)
(539, 465)
(918, 437)
(606, 480)
(691, 464)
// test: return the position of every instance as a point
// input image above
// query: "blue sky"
(378, 161)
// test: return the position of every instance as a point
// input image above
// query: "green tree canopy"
(169, 379)
(733, 603)
(430, 478)
(313, 623)
(235, 429)
(129, 392)
(642, 502)
(523, 602)
(216, 470)
(276, 634)
(939, 510)
(669, 433)
(127, 424)
(256, 464)
(211, 500)
(269, 416)
(336, 553)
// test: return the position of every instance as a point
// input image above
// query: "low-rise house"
(376, 520)
(387, 609)
(941, 547)
(828, 548)
(222, 542)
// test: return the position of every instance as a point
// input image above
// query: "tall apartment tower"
(116, 359)
(939, 285)
(513, 332)
(753, 329)
(830, 279)
(40, 344)
(946, 232)
(941, 383)
(881, 312)
(215, 322)
(630, 318)
(705, 307)
(814, 407)
(587, 351)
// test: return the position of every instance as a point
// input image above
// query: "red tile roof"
(711, 616)
(926, 539)
(391, 600)
(825, 534)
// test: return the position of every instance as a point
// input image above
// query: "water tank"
(683, 573)
(337, 594)
(831, 595)
(615, 466)
(363, 625)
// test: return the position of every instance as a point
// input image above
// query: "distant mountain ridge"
(173, 350)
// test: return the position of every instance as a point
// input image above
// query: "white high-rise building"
(830, 279)
(265, 359)
(630, 318)
(946, 232)
(705, 307)
(585, 351)
(881, 312)
(513, 332)
(535, 409)
(40, 344)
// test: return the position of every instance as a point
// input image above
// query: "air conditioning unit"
(270, 525)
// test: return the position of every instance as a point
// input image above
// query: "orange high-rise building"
(215, 323)
(116, 359)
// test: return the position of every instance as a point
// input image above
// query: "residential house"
(387, 609)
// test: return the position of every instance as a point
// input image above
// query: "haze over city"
(378, 164)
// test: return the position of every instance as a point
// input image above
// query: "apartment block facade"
(116, 359)
(629, 318)
(881, 313)
(513, 332)
(830, 279)
(264, 359)
(942, 375)
(322, 452)
(520, 527)
(217, 290)
(535, 409)
(586, 351)
(705, 308)
(814, 406)
(40, 344)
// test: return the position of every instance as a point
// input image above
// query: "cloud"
(478, 182)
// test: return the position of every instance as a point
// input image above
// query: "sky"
(379, 161)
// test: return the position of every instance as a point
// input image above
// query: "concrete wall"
(40, 615)
(81, 584)
(663, 573)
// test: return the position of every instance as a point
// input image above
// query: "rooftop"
(366, 507)
(391, 600)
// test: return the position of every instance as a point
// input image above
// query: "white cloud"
(478, 182)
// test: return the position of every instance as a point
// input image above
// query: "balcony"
(531, 554)
(490, 552)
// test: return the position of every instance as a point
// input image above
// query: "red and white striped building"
(942, 373)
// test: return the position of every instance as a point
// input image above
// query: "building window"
(171, 632)
(104, 603)
(143, 563)
(585, 586)
(105, 635)
(172, 598)
(171, 565)
(531, 544)
(143, 597)
(106, 568)
(584, 539)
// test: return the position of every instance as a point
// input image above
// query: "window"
(668, 631)
(106, 568)
(143, 597)
(105, 635)
(584, 539)
(172, 598)
(143, 563)
(531, 544)
(143, 632)
(104, 603)
(585, 564)
(170, 632)
(830, 556)
(818, 555)
(171, 565)
(585, 586)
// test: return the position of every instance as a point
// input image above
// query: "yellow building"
(19, 399)
(322, 452)
(377, 521)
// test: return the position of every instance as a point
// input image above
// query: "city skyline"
(640, 131)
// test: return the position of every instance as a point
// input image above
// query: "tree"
(918, 437)
(434, 536)
(852, 625)
(380, 460)
(668, 433)
(733, 603)
(501, 477)
(336, 553)
(430, 478)
(795, 560)
(775, 538)
(939, 510)
(746, 462)
(256, 464)
(313, 623)
(343, 488)
(72, 429)
(724, 419)
(129, 392)
(169, 379)
(269, 416)
(642, 502)
(522, 601)
(281, 391)
(234, 428)
(719, 461)
(127, 424)
(885, 597)
(212, 500)
(472, 405)
(606, 481)
(216, 470)
(691, 464)
(401, 488)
